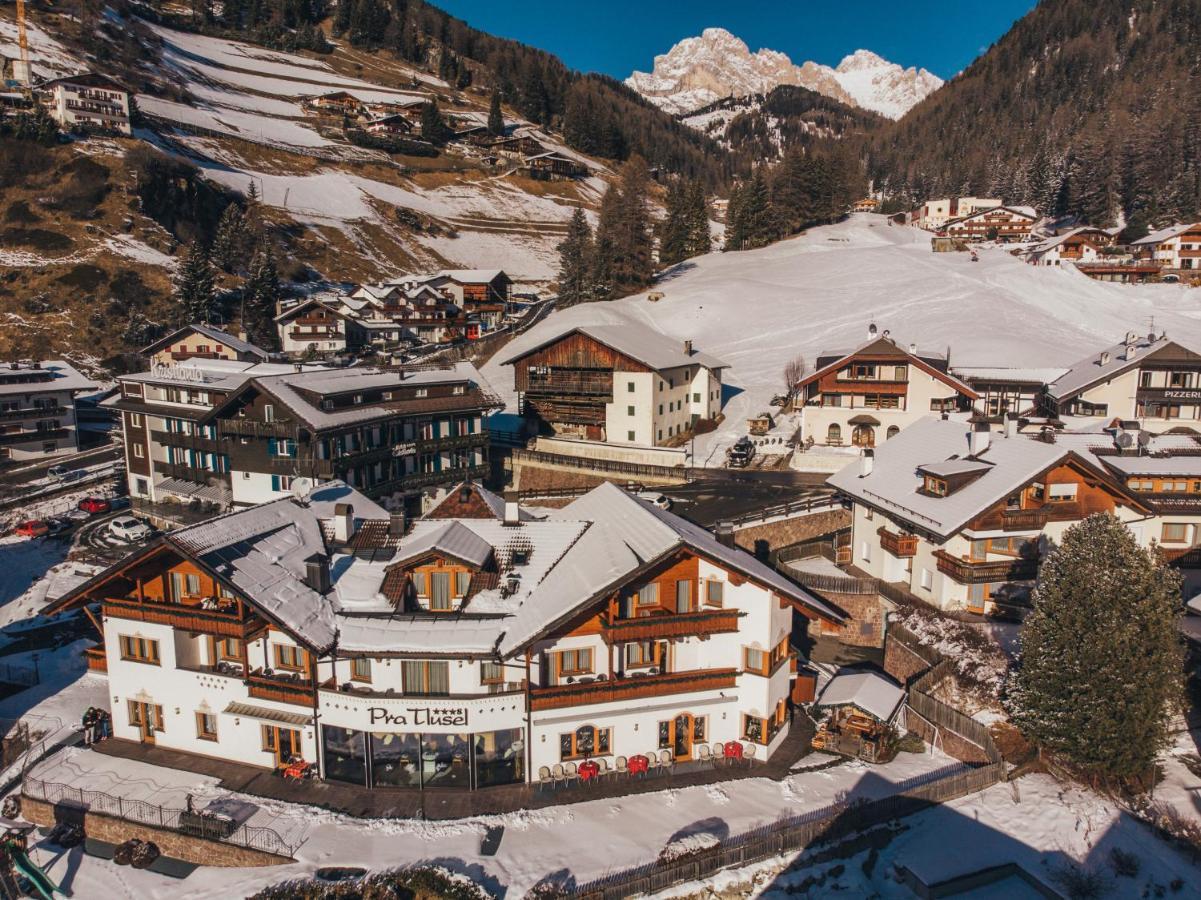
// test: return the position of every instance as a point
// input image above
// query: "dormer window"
(934, 486)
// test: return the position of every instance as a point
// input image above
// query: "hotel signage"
(439, 717)
(1182, 395)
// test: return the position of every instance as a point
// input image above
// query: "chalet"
(621, 384)
(202, 341)
(317, 326)
(1080, 245)
(89, 102)
(1178, 247)
(395, 124)
(1149, 378)
(962, 517)
(516, 147)
(867, 204)
(999, 223)
(233, 433)
(934, 214)
(473, 652)
(868, 394)
(1005, 390)
(37, 409)
(483, 293)
(554, 167)
(335, 103)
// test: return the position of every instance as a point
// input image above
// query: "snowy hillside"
(701, 70)
(820, 291)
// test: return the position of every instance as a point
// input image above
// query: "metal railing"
(604, 465)
(823, 503)
(252, 837)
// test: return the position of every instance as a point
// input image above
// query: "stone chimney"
(871, 331)
(913, 349)
(724, 532)
(688, 348)
(396, 525)
(512, 513)
(1131, 351)
(1011, 425)
(978, 439)
(316, 573)
(1104, 358)
(343, 523)
(867, 462)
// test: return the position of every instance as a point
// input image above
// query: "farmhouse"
(554, 167)
(617, 384)
(866, 395)
(477, 650)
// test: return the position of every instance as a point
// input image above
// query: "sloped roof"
(453, 539)
(1027, 212)
(1053, 242)
(1164, 234)
(59, 375)
(1091, 370)
(470, 276)
(1015, 375)
(213, 333)
(918, 359)
(869, 691)
(649, 347)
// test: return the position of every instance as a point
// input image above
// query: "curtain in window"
(462, 583)
(439, 678)
(419, 583)
(648, 594)
(715, 593)
(683, 596)
(440, 590)
(413, 671)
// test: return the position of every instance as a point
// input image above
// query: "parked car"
(59, 525)
(95, 505)
(31, 528)
(64, 474)
(662, 501)
(740, 455)
(129, 529)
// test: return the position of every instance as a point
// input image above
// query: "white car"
(62, 474)
(129, 529)
(662, 501)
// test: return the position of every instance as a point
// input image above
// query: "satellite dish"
(301, 488)
(1144, 438)
(1125, 440)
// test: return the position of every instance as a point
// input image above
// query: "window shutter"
(275, 482)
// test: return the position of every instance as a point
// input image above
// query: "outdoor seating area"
(597, 770)
(863, 707)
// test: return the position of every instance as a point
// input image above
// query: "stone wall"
(786, 532)
(947, 741)
(865, 627)
(903, 663)
(171, 843)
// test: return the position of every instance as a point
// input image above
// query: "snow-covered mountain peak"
(716, 64)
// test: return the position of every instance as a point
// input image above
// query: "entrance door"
(147, 718)
(863, 436)
(283, 742)
(681, 741)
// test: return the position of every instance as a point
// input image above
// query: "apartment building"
(1005, 224)
(934, 214)
(624, 385)
(863, 396)
(1177, 247)
(87, 101)
(475, 651)
(37, 409)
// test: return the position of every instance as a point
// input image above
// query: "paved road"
(731, 492)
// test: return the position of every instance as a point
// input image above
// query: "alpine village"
(429, 469)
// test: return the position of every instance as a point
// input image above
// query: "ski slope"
(820, 291)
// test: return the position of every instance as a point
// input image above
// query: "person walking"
(89, 726)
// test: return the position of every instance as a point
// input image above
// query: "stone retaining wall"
(804, 527)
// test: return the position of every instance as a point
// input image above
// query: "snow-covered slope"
(819, 291)
(700, 70)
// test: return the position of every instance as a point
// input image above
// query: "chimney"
(512, 513)
(725, 534)
(1130, 337)
(913, 349)
(1104, 358)
(242, 334)
(396, 525)
(688, 348)
(871, 331)
(978, 439)
(316, 573)
(1011, 425)
(343, 523)
(867, 462)
(1131, 351)
(297, 368)
(465, 493)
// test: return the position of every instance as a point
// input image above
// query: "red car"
(32, 528)
(94, 505)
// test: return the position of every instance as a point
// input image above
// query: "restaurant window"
(139, 649)
(345, 754)
(575, 662)
(491, 673)
(640, 654)
(714, 592)
(395, 759)
(289, 657)
(450, 754)
(360, 669)
(585, 741)
(683, 595)
(1175, 533)
(500, 757)
(423, 677)
(206, 726)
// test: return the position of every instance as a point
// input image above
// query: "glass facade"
(431, 761)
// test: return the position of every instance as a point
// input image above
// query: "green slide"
(45, 888)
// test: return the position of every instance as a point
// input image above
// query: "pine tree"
(433, 127)
(576, 262)
(625, 229)
(735, 225)
(496, 118)
(1101, 660)
(260, 298)
(195, 285)
(698, 239)
(673, 233)
(229, 240)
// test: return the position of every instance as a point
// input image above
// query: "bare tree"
(794, 371)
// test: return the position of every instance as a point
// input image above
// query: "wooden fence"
(645, 470)
(808, 505)
(795, 833)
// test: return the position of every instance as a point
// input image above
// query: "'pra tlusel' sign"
(437, 717)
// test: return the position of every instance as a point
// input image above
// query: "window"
(926, 580)
(491, 673)
(440, 591)
(892, 432)
(696, 397)
(139, 451)
(289, 657)
(462, 583)
(714, 593)
(935, 486)
(629, 435)
(281, 482)
(281, 447)
(206, 726)
(834, 434)
(135, 419)
(648, 594)
(640, 654)
(360, 669)
(1175, 533)
(754, 660)
(227, 649)
(139, 649)
(660, 409)
(1061, 493)
(630, 387)
(575, 662)
(683, 596)
(426, 677)
(268, 413)
(587, 740)
(629, 410)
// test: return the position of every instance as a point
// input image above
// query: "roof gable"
(883, 347)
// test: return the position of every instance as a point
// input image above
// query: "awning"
(181, 487)
(863, 420)
(267, 715)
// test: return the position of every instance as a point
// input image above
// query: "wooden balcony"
(281, 689)
(97, 659)
(190, 473)
(899, 545)
(633, 688)
(24, 437)
(190, 441)
(251, 428)
(967, 572)
(36, 412)
(184, 618)
(558, 383)
(670, 625)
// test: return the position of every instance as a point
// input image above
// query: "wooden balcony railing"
(281, 689)
(190, 473)
(22, 437)
(899, 545)
(191, 441)
(35, 412)
(633, 688)
(251, 428)
(596, 383)
(670, 625)
(185, 618)
(97, 659)
(967, 572)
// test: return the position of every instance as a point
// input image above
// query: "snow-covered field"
(820, 291)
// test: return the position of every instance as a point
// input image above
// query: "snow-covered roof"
(1104, 364)
(212, 332)
(1187, 466)
(1054, 241)
(453, 539)
(327, 496)
(877, 344)
(894, 482)
(951, 467)
(52, 375)
(869, 691)
(649, 347)
(1016, 375)
(212, 374)
(1164, 234)
(470, 276)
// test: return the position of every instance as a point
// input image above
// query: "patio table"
(588, 770)
(638, 765)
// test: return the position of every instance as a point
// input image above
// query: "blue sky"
(618, 36)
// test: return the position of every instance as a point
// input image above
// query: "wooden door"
(284, 743)
(147, 718)
(863, 436)
(681, 738)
